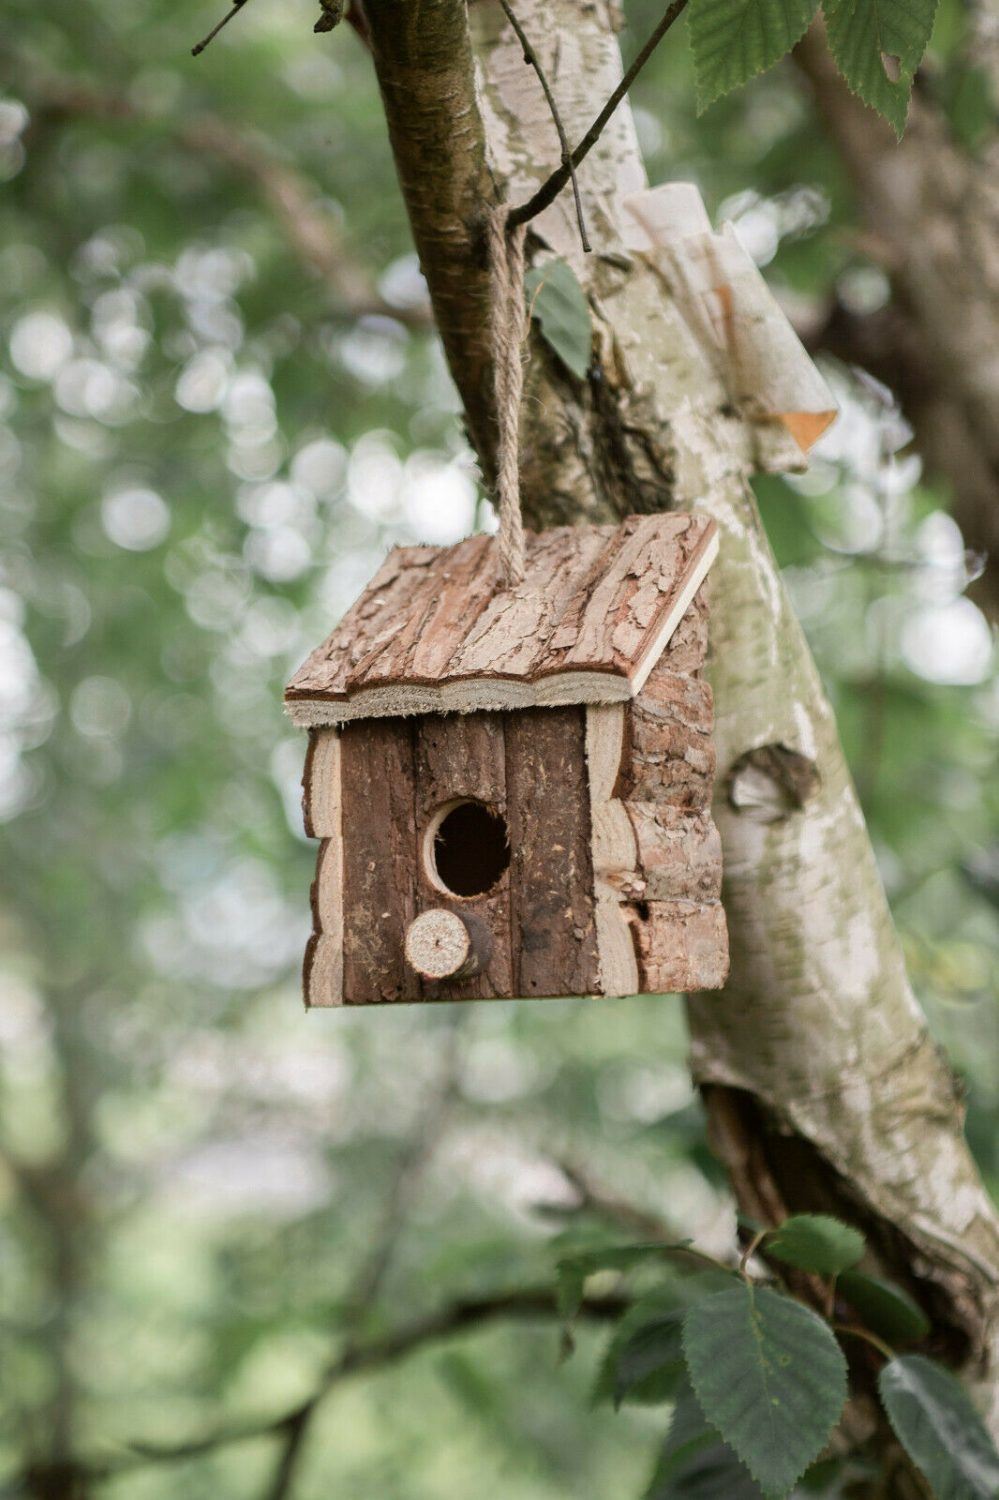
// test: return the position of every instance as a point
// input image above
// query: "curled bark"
(819, 1075)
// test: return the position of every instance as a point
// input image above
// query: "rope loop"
(508, 333)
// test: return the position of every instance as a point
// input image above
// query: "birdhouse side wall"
(657, 855)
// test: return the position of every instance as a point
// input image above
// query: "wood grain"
(456, 757)
(614, 848)
(322, 811)
(554, 940)
(379, 860)
(438, 630)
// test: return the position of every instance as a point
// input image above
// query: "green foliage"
(878, 45)
(559, 304)
(694, 1463)
(178, 1253)
(733, 40)
(940, 1429)
(644, 1361)
(769, 1376)
(885, 1308)
(816, 1242)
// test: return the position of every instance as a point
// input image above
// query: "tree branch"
(311, 233)
(819, 1074)
(463, 1316)
(532, 59)
(933, 206)
(550, 189)
(403, 1184)
(426, 75)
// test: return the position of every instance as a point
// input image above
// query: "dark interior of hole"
(471, 850)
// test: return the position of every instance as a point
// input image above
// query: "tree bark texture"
(822, 1083)
(930, 206)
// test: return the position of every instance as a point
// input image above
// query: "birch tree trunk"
(823, 1087)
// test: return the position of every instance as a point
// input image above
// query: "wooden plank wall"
(392, 775)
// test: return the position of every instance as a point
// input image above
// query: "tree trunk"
(822, 1084)
(930, 207)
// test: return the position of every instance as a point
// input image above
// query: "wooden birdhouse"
(512, 786)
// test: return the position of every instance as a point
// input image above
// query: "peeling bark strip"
(817, 1041)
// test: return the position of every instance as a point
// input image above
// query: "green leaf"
(559, 303)
(940, 1429)
(816, 1242)
(694, 1463)
(884, 1307)
(771, 1378)
(878, 45)
(644, 1360)
(733, 40)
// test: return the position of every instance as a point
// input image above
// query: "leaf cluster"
(758, 1380)
(877, 44)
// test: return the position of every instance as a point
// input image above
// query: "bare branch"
(533, 61)
(552, 186)
(525, 1304)
(402, 1189)
(200, 47)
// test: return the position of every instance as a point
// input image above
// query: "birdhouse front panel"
(548, 835)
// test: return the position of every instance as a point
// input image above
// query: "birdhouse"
(512, 786)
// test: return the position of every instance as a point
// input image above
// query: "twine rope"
(508, 332)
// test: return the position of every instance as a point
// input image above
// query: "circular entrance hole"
(467, 848)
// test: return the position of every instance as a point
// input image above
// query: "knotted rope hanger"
(509, 323)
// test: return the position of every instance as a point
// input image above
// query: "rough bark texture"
(439, 628)
(817, 1052)
(931, 209)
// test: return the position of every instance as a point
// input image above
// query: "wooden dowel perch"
(442, 945)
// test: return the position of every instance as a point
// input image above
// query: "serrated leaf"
(769, 1376)
(878, 45)
(733, 40)
(573, 1270)
(694, 1463)
(884, 1307)
(939, 1428)
(816, 1242)
(559, 303)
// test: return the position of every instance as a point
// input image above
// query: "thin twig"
(848, 1329)
(527, 1303)
(371, 1275)
(236, 8)
(534, 61)
(552, 186)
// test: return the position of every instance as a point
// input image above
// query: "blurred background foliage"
(220, 402)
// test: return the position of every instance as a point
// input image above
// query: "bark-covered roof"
(438, 629)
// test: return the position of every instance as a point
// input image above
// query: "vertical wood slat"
(322, 973)
(379, 862)
(614, 848)
(554, 942)
(462, 756)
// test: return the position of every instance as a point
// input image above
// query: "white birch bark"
(824, 1086)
